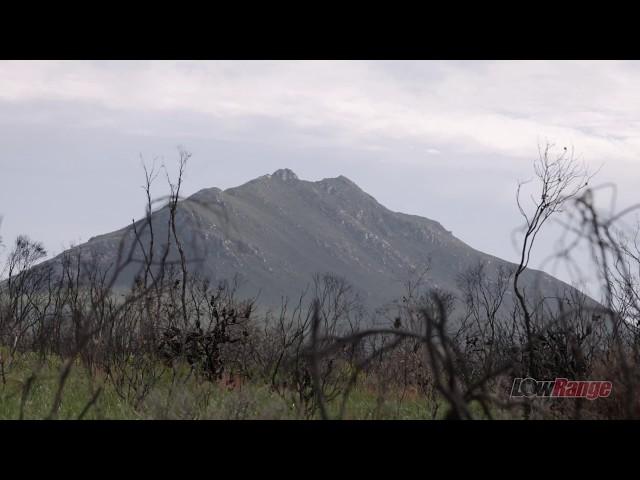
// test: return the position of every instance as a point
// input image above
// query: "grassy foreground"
(33, 390)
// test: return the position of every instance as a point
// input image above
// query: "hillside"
(277, 230)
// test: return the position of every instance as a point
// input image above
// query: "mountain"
(277, 230)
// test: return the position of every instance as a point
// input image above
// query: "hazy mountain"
(277, 230)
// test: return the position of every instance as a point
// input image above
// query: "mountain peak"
(340, 182)
(284, 174)
(276, 231)
(344, 179)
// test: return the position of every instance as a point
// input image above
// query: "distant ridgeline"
(276, 231)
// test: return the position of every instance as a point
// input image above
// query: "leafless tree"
(559, 179)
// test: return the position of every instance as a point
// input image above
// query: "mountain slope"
(277, 230)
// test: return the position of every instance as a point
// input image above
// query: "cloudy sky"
(446, 140)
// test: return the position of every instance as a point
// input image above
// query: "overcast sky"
(446, 140)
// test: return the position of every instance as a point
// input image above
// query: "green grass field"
(30, 389)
